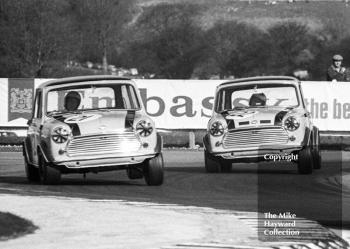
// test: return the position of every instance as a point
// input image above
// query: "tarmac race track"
(267, 187)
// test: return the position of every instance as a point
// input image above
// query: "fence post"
(191, 140)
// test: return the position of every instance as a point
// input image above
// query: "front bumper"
(111, 161)
(62, 159)
(258, 152)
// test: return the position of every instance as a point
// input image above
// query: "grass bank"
(12, 226)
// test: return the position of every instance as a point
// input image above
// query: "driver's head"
(72, 101)
(257, 99)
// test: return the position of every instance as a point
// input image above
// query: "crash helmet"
(72, 101)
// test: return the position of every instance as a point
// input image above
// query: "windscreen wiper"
(54, 113)
(240, 107)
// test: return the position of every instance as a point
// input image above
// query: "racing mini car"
(259, 118)
(91, 124)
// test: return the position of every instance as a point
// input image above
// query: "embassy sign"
(178, 104)
(187, 104)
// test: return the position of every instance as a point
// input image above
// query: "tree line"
(41, 37)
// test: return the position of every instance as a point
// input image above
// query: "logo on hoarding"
(21, 100)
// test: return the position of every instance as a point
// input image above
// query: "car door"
(34, 128)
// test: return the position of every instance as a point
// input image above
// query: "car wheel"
(134, 172)
(305, 161)
(211, 165)
(226, 166)
(317, 153)
(317, 159)
(32, 173)
(154, 171)
(48, 175)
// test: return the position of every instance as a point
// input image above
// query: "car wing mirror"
(29, 122)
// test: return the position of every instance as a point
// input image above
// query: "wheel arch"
(42, 153)
(206, 143)
(315, 135)
(159, 146)
(307, 137)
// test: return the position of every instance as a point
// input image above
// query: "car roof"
(262, 79)
(81, 79)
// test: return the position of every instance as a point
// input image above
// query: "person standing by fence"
(336, 72)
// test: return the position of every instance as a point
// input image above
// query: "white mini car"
(261, 118)
(91, 124)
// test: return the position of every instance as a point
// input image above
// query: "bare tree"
(101, 23)
(34, 33)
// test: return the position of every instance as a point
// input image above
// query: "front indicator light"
(61, 151)
(217, 144)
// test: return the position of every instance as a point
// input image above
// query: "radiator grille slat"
(103, 144)
(255, 137)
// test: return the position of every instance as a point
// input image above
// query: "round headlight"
(144, 128)
(291, 123)
(60, 135)
(217, 129)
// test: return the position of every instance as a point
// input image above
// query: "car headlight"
(60, 135)
(217, 129)
(144, 128)
(291, 123)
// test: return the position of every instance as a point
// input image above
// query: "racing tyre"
(154, 171)
(134, 172)
(316, 153)
(226, 166)
(32, 173)
(211, 165)
(48, 175)
(305, 161)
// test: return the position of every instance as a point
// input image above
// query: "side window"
(37, 105)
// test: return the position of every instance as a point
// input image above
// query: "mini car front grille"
(103, 144)
(255, 137)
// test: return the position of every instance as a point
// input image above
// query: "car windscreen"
(257, 95)
(92, 97)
